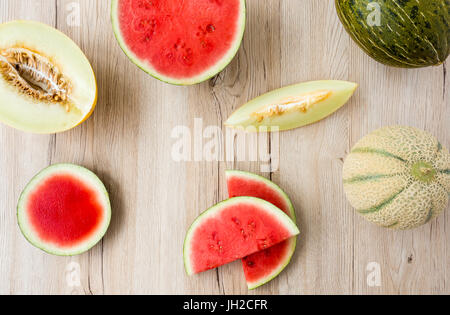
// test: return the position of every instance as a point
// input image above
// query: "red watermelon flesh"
(175, 39)
(65, 211)
(263, 266)
(233, 229)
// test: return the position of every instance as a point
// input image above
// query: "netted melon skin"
(381, 184)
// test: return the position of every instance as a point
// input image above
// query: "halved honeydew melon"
(47, 84)
(292, 106)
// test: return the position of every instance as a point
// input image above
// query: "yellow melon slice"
(47, 85)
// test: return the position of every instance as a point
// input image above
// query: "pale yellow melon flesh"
(292, 106)
(42, 46)
(398, 177)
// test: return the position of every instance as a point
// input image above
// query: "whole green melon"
(398, 177)
(400, 33)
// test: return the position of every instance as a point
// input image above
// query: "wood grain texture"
(128, 143)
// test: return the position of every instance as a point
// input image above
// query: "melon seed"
(262, 243)
(236, 221)
(301, 103)
(210, 28)
(34, 75)
(250, 263)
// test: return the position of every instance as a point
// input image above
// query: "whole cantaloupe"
(398, 177)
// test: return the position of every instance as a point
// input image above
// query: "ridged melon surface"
(398, 177)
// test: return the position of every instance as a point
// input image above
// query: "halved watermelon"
(234, 229)
(265, 265)
(64, 210)
(179, 42)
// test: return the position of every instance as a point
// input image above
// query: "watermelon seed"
(145, 4)
(177, 44)
(262, 243)
(210, 28)
(250, 263)
(201, 31)
(236, 221)
(206, 45)
(170, 57)
(148, 37)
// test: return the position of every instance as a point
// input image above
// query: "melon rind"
(380, 183)
(292, 241)
(220, 65)
(341, 92)
(30, 115)
(411, 34)
(269, 208)
(80, 173)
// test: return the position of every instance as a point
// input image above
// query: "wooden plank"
(311, 157)
(23, 155)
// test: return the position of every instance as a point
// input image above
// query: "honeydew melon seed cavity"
(398, 177)
(234, 229)
(292, 106)
(46, 82)
(179, 42)
(64, 210)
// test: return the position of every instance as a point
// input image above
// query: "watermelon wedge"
(64, 210)
(234, 229)
(263, 266)
(179, 42)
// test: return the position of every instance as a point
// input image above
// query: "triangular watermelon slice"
(265, 265)
(234, 229)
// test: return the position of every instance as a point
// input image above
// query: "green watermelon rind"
(292, 240)
(264, 205)
(208, 74)
(81, 173)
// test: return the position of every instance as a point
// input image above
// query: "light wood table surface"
(128, 142)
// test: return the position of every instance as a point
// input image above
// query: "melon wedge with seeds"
(179, 42)
(47, 84)
(64, 210)
(234, 229)
(292, 106)
(265, 265)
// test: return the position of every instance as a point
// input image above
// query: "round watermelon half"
(179, 42)
(64, 210)
(234, 229)
(263, 266)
